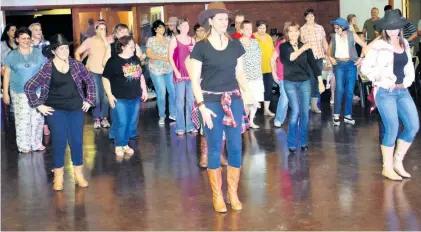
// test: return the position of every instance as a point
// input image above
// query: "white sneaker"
(336, 121)
(254, 126)
(172, 118)
(349, 120)
(105, 123)
(151, 94)
(97, 124)
(277, 124)
(161, 121)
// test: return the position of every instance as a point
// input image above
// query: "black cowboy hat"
(55, 41)
(213, 9)
(392, 20)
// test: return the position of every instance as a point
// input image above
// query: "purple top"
(42, 79)
(181, 52)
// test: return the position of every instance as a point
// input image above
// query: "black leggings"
(268, 83)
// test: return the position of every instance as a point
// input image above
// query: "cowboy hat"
(55, 41)
(392, 20)
(213, 9)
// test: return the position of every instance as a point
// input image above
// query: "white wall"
(362, 8)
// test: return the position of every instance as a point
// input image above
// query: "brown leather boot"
(80, 180)
(215, 179)
(58, 179)
(233, 177)
(401, 149)
(224, 161)
(203, 161)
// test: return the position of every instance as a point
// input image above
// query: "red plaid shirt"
(226, 105)
(315, 39)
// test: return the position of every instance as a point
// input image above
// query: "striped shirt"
(408, 30)
(42, 79)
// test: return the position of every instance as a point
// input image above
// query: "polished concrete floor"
(335, 185)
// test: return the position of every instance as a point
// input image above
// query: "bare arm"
(6, 80)
(413, 37)
(330, 55)
(359, 41)
(107, 86)
(194, 67)
(153, 56)
(81, 49)
(273, 59)
(300, 51)
(171, 48)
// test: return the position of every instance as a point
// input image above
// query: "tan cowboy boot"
(387, 153)
(233, 177)
(203, 161)
(80, 180)
(401, 149)
(215, 179)
(58, 179)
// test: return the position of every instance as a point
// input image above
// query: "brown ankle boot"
(58, 179)
(203, 161)
(215, 179)
(233, 177)
(80, 180)
(224, 161)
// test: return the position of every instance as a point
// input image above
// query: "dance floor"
(335, 185)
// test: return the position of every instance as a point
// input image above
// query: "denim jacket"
(378, 65)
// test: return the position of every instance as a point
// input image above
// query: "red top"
(238, 35)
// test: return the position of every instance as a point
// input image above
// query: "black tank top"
(399, 62)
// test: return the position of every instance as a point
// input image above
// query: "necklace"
(26, 61)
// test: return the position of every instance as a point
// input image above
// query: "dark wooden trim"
(391, 2)
(88, 6)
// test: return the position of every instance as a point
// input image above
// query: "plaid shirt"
(315, 39)
(42, 79)
(226, 106)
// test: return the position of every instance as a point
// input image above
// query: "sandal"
(128, 150)
(180, 133)
(42, 148)
(25, 151)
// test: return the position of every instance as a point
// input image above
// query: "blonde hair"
(32, 27)
(288, 25)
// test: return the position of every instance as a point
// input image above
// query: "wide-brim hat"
(392, 20)
(213, 9)
(55, 41)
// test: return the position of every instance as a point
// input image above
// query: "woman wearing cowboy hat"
(218, 60)
(388, 65)
(64, 102)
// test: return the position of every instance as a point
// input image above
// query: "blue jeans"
(346, 75)
(233, 135)
(314, 82)
(125, 114)
(111, 133)
(66, 127)
(183, 91)
(299, 98)
(162, 83)
(282, 108)
(101, 106)
(394, 106)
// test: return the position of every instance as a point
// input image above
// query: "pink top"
(279, 65)
(181, 52)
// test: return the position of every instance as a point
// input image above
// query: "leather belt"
(343, 59)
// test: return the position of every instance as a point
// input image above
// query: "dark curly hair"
(22, 30)
(155, 26)
(122, 42)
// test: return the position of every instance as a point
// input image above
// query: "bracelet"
(200, 103)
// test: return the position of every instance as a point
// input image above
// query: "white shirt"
(341, 50)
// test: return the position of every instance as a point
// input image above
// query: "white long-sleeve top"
(378, 65)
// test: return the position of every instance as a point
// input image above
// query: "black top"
(63, 93)
(124, 76)
(218, 67)
(399, 62)
(302, 68)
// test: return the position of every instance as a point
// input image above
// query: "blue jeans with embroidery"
(299, 97)
(233, 135)
(163, 83)
(394, 106)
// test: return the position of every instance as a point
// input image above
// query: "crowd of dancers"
(216, 82)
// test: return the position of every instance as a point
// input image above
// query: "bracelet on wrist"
(200, 103)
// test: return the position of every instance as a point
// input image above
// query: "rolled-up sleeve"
(39, 80)
(90, 84)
